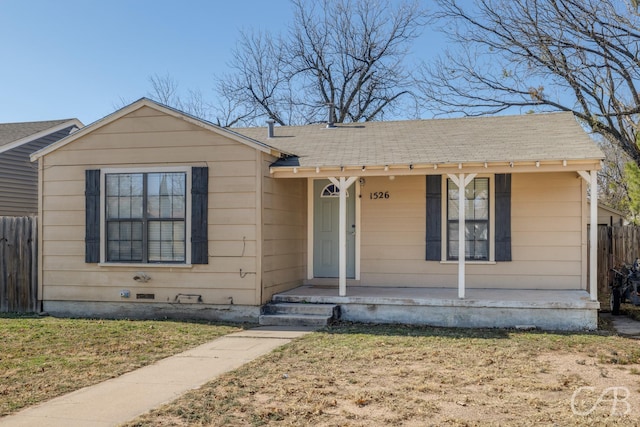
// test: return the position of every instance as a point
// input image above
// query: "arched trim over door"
(330, 190)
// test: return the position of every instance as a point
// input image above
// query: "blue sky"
(84, 58)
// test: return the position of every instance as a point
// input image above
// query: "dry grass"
(351, 375)
(44, 357)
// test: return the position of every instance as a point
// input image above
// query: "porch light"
(295, 170)
(386, 168)
(485, 165)
(459, 165)
(537, 164)
(317, 170)
(510, 164)
(411, 167)
(564, 163)
(435, 166)
(364, 168)
(341, 168)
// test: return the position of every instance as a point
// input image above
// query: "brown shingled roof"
(532, 137)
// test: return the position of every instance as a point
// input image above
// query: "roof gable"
(147, 103)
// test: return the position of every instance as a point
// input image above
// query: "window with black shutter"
(145, 216)
(477, 221)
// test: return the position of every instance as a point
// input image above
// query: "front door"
(326, 210)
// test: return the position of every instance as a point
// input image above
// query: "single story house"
(18, 176)
(152, 212)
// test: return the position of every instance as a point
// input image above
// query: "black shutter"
(92, 216)
(434, 217)
(503, 217)
(199, 208)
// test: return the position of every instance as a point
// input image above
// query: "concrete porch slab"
(439, 296)
(501, 308)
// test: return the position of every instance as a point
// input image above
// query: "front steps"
(299, 314)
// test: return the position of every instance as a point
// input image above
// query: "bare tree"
(345, 53)
(164, 89)
(613, 178)
(573, 55)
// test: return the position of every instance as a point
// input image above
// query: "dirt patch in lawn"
(352, 375)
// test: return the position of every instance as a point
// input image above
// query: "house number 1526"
(378, 195)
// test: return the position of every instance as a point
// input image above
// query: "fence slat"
(18, 254)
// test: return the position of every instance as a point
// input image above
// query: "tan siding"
(64, 248)
(56, 233)
(232, 248)
(153, 139)
(284, 232)
(546, 236)
(241, 184)
(140, 156)
(62, 217)
(234, 232)
(147, 138)
(545, 209)
(69, 202)
(530, 223)
(64, 188)
(223, 216)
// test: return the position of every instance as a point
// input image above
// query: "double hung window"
(145, 217)
(476, 220)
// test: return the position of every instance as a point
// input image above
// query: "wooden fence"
(616, 246)
(18, 264)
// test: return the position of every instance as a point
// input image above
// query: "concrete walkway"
(124, 398)
(624, 325)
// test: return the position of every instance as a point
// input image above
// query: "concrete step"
(294, 320)
(301, 308)
(298, 314)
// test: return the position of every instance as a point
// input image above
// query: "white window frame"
(103, 220)
(445, 220)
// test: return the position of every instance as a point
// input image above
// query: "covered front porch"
(481, 308)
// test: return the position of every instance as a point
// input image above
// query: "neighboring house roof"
(531, 137)
(18, 176)
(145, 102)
(15, 134)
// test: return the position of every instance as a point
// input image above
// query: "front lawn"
(358, 375)
(44, 357)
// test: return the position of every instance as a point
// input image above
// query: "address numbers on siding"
(379, 195)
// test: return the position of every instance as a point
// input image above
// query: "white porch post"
(593, 248)
(461, 236)
(461, 181)
(592, 179)
(342, 184)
